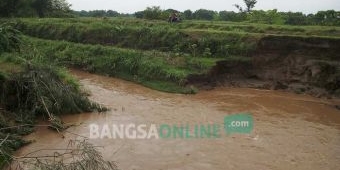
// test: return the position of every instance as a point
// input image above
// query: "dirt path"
(290, 131)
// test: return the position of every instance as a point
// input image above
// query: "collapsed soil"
(300, 65)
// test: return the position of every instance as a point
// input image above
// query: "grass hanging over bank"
(33, 92)
(43, 90)
(158, 70)
(31, 89)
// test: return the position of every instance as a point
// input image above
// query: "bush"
(9, 38)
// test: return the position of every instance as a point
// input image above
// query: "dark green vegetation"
(34, 8)
(9, 39)
(29, 90)
(31, 93)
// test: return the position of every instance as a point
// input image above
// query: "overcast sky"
(130, 6)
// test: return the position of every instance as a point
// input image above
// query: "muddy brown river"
(290, 131)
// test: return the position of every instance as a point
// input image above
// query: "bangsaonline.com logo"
(236, 123)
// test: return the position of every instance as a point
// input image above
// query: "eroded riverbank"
(290, 131)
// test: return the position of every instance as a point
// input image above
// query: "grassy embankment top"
(154, 53)
(208, 26)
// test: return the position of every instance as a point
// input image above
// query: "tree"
(154, 12)
(111, 13)
(8, 7)
(232, 16)
(139, 14)
(43, 7)
(294, 18)
(204, 14)
(25, 9)
(97, 13)
(82, 13)
(266, 17)
(60, 5)
(187, 14)
(329, 17)
(250, 4)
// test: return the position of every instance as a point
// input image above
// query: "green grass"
(158, 70)
(165, 86)
(146, 51)
(221, 38)
(192, 24)
(163, 37)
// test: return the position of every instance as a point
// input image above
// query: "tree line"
(246, 13)
(34, 8)
(61, 8)
(100, 13)
(329, 17)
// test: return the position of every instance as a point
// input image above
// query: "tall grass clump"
(40, 91)
(34, 90)
(9, 38)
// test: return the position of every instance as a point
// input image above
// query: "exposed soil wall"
(304, 65)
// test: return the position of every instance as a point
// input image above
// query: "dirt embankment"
(303, 65)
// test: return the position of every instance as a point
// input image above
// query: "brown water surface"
(290, 131)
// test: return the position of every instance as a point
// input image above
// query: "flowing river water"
(290, 131)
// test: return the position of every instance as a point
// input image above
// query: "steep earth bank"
(300, 64)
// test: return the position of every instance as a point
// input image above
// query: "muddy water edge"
(290, 131)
